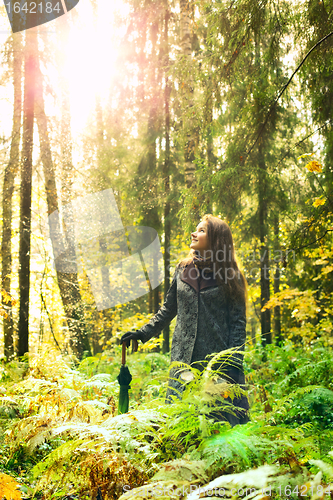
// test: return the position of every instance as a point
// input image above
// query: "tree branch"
(284, 88)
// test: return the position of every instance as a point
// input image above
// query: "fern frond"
(282, 404)
(57, 457)
(254, 478)
(326, 468)
(182, 470)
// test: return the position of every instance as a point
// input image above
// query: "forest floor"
(61, 436)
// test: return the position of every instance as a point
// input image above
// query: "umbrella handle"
(123, 354)
(123, 351)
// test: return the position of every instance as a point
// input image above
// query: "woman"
(208, 295)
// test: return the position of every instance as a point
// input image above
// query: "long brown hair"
(221, 258)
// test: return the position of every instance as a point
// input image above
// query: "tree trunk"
(166, 175)
(253, 330)
(210, 157)
(277, 309)
(106, 314)
(152, 156)
(264, 251)
(8, 189)
(67, 281)
(263, 213)
(30, 51)
(150, 300)
(186, 47)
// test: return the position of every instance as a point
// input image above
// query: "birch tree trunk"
(7, 195)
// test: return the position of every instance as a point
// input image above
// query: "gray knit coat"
(207, 323)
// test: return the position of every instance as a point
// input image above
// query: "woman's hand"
(128, 336)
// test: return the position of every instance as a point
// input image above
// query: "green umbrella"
(124, 378)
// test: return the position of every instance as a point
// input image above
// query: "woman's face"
(200, 238)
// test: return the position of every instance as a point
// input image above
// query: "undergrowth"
(62, 436)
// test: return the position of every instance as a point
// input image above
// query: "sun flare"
(88, 59)
(89, 63)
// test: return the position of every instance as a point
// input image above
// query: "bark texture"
(67, 281)
(7, 196)
(186, 47)
(30, 52)
(166, 176)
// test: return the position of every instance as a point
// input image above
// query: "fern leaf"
(282, 404)
(184, 470)
(257, 478)
(164, 490)
(326, 468)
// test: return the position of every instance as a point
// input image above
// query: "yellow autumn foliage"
(324, 271)
(6, 298)
(9, 488)
(277, 300)
(302, 304)
(318, 202)
(314, 166)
